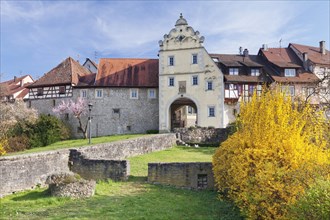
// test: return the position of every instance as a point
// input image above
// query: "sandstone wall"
(212, 136)
(26, 171)
(131, 147)
(197, 175)
(93, 169)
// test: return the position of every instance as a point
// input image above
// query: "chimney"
(15, 77)
(246, 52)
(322, 47)
(265, 47)
(305, 59)
(240, 50)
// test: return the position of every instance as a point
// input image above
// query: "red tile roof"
(243, 78)
(127, 72)
(305, 77)
(282, 57)
(314, 54)
(67, 72)
(13, 87)
(232, 60)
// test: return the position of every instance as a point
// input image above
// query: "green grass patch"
(134, 199)
(139, 164)
(78, 143)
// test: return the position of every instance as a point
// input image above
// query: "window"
(170, 81)
(201, 181)
(211, 111)
(40, 92)
(171, 60)
(289, 90)
(151, 93)
(30, 104)
(289, 72)
(233, 71)
(215, 59)
(134, 93)
(54, 103)
(129, 128)
(66, 116)
(209, 85)
(255, 72)
(194, 59)
(61, 90)
(83, 93)
(307, 91)
(194, 80)
(98, 93)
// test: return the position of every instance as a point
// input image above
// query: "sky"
(38, 35)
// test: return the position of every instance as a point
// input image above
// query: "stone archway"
(183, 113)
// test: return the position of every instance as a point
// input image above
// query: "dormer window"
(255, 72)
(233, 71)
(215, 59)
(289, 72)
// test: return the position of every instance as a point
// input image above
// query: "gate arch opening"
(183, 113)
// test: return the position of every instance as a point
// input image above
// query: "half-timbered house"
(56, 85)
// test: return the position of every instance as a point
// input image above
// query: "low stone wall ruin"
(206, 136)
(24, 172)
(94, 169)
(198, 175)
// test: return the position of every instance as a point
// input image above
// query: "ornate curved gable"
(181, 37)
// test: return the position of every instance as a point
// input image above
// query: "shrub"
(3, 146)
(47, 130)
(277, 151)
(314, 204)
(152, 132)
(18, 143)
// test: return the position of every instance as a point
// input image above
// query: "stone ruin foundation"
(70, 185)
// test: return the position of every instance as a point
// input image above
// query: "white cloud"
(53, 30)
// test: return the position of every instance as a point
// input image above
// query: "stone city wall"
(23, 172)
(198, 175)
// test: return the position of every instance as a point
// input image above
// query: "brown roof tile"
(67, 72)
(127, 72)
(282, 57)
(13, 86)
(301, 78)
(243, 78)
(314, 54)
(238, 60)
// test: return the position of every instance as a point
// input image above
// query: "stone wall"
(117, 113)
(26, 171)
(93, 169)
(197, 175)
(23, 172)
(211, 136)
(131, 147)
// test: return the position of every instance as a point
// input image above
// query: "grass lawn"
(78, 143)
(134, 199)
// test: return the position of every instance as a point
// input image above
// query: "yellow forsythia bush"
(3, 145)
(278, 151)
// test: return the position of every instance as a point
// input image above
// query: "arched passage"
(183, 113)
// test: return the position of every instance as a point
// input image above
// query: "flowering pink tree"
(78, 109)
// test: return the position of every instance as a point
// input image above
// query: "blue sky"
(37, 35)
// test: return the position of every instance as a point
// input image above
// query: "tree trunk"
(83, 130)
